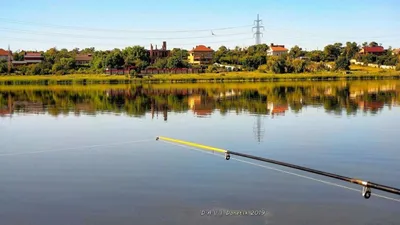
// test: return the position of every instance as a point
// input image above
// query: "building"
(83, 59)
(155, 54)
(33, 57)
(378, 50)
(201, 55)
(396, 51)
(4, 54)
(30, 58)
(276, 50)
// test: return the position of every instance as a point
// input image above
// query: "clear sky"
(42, 24)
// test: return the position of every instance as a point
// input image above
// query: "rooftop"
(202, 48)
(84, 57)
(373, 49)
(278, 49)
(3, 52)
(33, 54)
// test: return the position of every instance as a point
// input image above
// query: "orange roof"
(278, 49)
(33, 54)
(202, 48)
(3, 52)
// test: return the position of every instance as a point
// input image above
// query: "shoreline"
(228, 77)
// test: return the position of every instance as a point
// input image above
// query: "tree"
(296, 52)
(351, 50)
(3, 66)
(316, 56)
(276, 64)
(180, 53)
(373, 44)
(136, 52)
(342, 63)
(18, 56)
(176, 62)
(160, 63)
(114, 59)
(332, 52)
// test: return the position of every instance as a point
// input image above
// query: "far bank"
(194, 78)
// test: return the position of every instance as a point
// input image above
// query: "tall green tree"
(332, 52)
(296, 52)
(351, 50)
(342, 63)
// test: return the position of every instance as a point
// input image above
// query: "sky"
(43, 24)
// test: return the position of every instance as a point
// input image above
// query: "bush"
(315, 67)
(276, 64)
(398, 67)
(263, 68)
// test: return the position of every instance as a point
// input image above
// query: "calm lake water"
(349, 128)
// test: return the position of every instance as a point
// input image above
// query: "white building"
(276, 50)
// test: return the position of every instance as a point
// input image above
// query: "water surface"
(349, 128)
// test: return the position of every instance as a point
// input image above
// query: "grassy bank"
(357, 73)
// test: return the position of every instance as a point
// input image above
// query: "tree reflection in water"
(203, 100)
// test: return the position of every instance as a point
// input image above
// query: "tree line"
(335, 56)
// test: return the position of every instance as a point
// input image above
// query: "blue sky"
(42, 24)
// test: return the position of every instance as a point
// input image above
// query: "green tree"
(176, 62)
(373, 44)
(351, 50)
(114, 59)
(3, 66)
(296, 52)
(136, 52)
(160, 63)
(276, 64)
(342, 63)
(316, 56)
(332, 52)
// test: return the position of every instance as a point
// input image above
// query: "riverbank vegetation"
(356, 73)
(333, 58)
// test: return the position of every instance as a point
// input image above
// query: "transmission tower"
(258, 28)
(259, 129)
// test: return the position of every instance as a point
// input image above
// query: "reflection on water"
(272, 99)
(156, 183)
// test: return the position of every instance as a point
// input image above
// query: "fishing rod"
(367, 186)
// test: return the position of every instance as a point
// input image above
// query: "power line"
(117, 30)
(111, 37)
(91, 44)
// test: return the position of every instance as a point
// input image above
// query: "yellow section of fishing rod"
(192, 144)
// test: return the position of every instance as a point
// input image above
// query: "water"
(349, 128)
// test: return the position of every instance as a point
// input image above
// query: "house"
(30, 58)
(276, 50)
(201, 55)
(4, 54)
(378, 50)
(396, 51)
(83, 59)
(155, 54)
(33, 57)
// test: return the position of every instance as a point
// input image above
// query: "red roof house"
(378, 50)
(277, 50)
(201, 55)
